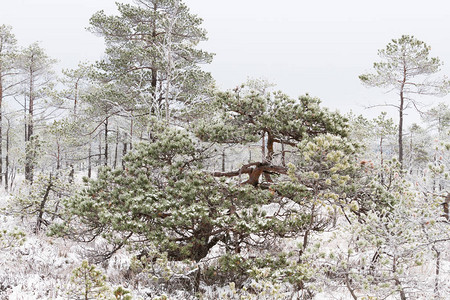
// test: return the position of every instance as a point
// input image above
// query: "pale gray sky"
(319, 46)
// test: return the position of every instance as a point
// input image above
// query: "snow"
(41, 268)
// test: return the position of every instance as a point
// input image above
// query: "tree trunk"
(169, 63)
(131, 134)
(400, 131)
(71, 173)
(100, 154)
(263, 146)
(1, 126)
(381, 160)
(397, 281)
(400, 121)
(41, 209)
(350, 289)
(437, 272)
(402, 292)
(307, 232)
(75, 100)
(270, 151)
(29, 157)
(446, 207)
(28, 162)
(154, 82)
(124, 152)
(169, 79)
(117, 147)
(7, 158)
(106, 142)
(154, 71)
(223, 160)
(58, 156)
(90, 158)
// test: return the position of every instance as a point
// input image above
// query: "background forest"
(135, 177)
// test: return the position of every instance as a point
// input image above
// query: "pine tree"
(87, 282)
(8, 80)
(406, 67)
(165, 197)
(150, 52)
(36, 68)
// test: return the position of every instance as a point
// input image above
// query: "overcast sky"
(319, 47)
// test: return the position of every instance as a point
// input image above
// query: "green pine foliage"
(43, 199)
(244, 115)
(164, 197)
(153, 46)
(253, 193)
(88, 283)
(122, 294)
(11, 238)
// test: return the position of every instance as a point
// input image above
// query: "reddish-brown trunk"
(270, 151)
(254, 171)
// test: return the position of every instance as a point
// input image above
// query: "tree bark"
(106, 142)
(75, 100)
(29, 157)
(352, 291)
(400, 121)
(100, 154)
(397, 281)
(270, 151)
(58, 156)
(254, 171)
(400, 131)
(89, 158)
(7, 157)
(41, 209)
(446, 205)
(154, 83)
(381, 160)
(131, 134)
(1, 126)
(263, 146)
(437, 272)
(117, 148)
(223, 160)
(124, 150)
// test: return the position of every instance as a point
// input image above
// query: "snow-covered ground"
(42, 266)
